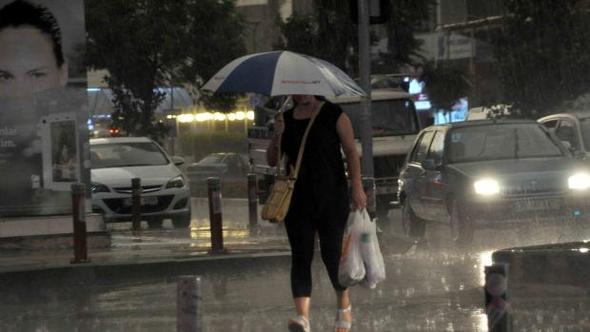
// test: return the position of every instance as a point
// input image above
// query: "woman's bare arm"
(346, 133)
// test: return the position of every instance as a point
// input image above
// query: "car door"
(434, 185)
(567, 131)
(414, 174)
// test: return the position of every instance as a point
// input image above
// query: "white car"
(165, 191)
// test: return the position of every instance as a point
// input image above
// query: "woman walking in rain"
(320, 202)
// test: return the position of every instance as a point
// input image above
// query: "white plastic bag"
(351, 270)
(371, 253)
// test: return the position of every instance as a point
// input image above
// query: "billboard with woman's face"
(43, 136)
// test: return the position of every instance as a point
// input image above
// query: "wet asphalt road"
(434, 287)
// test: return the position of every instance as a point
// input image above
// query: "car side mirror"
(178, 160)
(429, 165)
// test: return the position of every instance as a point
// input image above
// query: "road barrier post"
(136, 203)
(252, 201)
(188, 296)
(79, 220)
(497, 305)
(215, 217)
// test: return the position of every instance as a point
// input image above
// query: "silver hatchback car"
(165, 191)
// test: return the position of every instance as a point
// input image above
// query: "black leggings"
(301, 230)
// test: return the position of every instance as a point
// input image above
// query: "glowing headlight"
(579, 181)
(98, 188)
(177, 182)
(486, 187)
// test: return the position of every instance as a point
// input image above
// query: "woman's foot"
(343, 320)
(299, 324)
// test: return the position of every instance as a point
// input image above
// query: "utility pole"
(366, 126)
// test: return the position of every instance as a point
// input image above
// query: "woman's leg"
(301, 238)
(331, 231)
(302, 306)
(344, 309)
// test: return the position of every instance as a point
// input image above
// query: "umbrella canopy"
(283, 73)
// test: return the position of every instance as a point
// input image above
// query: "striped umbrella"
(283, 73)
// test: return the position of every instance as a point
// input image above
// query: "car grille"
(117, 205)
(534, 188)
(145, 189)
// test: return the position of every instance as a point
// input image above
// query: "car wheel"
(413, 226)
(182, 221)
(155, 223)
(382, 208)
(461, 227)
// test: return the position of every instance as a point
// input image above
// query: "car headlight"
(579, 181)
(98, 188)
(177, 182)
(486, 187)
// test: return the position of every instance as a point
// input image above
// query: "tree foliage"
(406, 16)
(330, 34)
(327, 33)
(145, 44)
(542, 52)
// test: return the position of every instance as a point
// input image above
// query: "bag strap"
(301, 147)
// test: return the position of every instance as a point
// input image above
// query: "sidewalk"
(153, 253)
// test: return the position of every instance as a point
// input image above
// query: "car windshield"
(126, 155)
(388, 117)
(500, 141)
(211, 159)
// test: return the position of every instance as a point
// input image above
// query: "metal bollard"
(79, 219)
(497, 306)
(369, 187)
(252, 201)
(188, 295)
(215, 218)
(136, 203)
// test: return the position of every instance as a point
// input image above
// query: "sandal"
(340, 322)
(299, 324)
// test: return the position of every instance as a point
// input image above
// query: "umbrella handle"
(280, 113)
(284, 105)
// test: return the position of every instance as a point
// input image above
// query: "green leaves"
(146, 44)
(542, 50)
(329, 33)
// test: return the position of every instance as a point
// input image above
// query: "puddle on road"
(437, 291)
(436, 288)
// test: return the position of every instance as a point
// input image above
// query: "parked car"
(165, 192)
(230, 167)
(485, 173)
(573, 129)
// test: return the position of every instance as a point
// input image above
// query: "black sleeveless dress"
(321, 189)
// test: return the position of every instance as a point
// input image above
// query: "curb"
(552, 264)
(104, 273)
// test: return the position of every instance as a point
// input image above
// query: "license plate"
(148, 200)
(537, 205)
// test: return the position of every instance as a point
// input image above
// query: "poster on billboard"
(43, 106)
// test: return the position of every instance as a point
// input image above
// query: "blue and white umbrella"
(283, 73)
